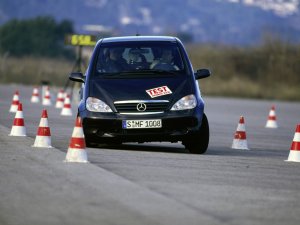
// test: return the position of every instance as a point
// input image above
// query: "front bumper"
(108, 126)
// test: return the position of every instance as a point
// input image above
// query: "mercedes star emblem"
(141, 107)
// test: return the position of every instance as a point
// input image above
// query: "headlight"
(187, 102)
(96, 105)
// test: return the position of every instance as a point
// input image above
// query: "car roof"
(138, 38)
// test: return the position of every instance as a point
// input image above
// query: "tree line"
(40, 36)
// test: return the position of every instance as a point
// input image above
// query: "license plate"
(137, 124)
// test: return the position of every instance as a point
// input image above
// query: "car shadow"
(143, 147)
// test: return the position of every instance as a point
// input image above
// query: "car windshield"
(138, 59)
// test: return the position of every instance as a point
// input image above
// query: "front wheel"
(90, 142)
(197, 142)
(93, 141)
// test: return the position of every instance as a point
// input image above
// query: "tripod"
(76, 68)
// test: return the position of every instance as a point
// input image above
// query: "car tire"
(197, 142)
(90, 139)
(90, 143)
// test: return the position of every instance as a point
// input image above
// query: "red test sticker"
(159, 91)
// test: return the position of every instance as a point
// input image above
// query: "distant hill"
(237, 22)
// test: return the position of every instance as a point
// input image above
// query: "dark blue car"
(142, 89)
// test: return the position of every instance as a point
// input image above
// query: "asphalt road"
(152, 183)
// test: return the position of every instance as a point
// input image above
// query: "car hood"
(111, 90)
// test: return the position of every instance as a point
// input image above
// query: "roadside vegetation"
(41, 36)
(270, 70)
(33, 50)
(32, 70)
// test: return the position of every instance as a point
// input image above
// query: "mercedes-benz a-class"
(142, 89)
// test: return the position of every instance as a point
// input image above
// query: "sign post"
(78, 40)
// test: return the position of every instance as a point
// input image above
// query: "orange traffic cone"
(60, 100)
(240, 141)
(294, 155)
(76, 151)
(67, 111)
(35, 97)
(47, 98)
(15, 103)
(271, 123)
(43, 137)
(18, 127)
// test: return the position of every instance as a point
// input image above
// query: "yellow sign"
(80, 39)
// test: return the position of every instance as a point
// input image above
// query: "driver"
(115, 61)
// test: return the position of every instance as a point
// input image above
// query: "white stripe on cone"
(271, 124)
(78, 132)
(76, 155)
(240, 144)
(42, 142)
(18, 131)
(294, 155)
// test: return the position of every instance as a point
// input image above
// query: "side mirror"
(202, 73)
(77, 77)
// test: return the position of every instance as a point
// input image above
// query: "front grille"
(152, 106)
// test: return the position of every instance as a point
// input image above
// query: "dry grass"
(270, 71)
(244, 88)
(29, 70)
